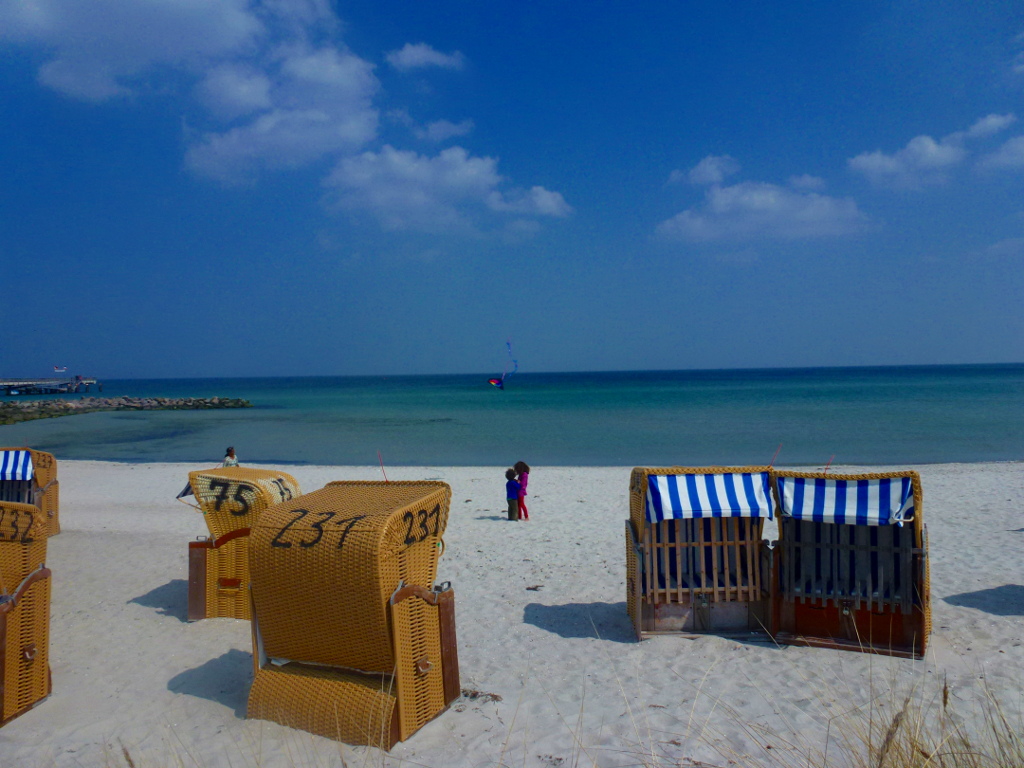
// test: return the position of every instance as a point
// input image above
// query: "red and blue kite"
(500, 383)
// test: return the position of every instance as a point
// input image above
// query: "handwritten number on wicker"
(347, 526)
(222, 487)
(16, 530)
(319, 526)
(276, 541)
(423, 517)
(284, 491)
(240, 497)
(410, 538)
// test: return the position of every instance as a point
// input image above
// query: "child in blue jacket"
(512, 494)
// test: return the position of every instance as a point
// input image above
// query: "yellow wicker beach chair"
(852, 562)
(351, 638)
(231, 499)
(695, 561)
(28, 476)
(24, 609)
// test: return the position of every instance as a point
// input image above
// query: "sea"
(796, 417)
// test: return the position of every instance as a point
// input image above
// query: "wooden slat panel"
(679, 560)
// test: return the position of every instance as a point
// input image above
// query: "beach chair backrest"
(850, 537)
(17, 474)
(325, 566)
(28, 476)
(231, 498)
(848, 499)
(698, 494)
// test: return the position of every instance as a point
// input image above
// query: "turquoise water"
(858, 415)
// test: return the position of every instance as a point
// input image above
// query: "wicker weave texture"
(418, 664)
(324, 566)
(632, 578)
(23, 533)
(227, 580)
(356, 709)
(26, 668)
(233, 497)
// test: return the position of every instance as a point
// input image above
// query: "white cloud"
(98, 49)
(755, 210)
(321, 102)
(990, 125)
(535, 201)
(422, 55)
(806, 181)
(711, 170)
(1017, 64)
(1010, 248)
(278, 90)
(1010, 155)
(925, 161)
(405, 190)
(442, 130)
(232, 90)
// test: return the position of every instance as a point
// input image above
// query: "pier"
(54, 386)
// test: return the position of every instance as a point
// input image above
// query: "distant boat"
(60, 370)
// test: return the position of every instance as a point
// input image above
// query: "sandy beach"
(544, 639)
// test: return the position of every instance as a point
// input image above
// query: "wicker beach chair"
(351, 638)
(28, 476)
(24, 608)
(695, 561)
(852, 562)
(230, 498)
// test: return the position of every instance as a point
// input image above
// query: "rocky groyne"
(12, 412)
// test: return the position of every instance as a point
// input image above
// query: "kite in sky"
(500, 383)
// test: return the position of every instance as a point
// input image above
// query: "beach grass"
(923, 726)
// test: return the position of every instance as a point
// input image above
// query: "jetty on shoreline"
(51, 386)
(12, 412)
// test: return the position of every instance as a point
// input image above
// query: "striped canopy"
(884, 501)
(733, 494)
(15, 465)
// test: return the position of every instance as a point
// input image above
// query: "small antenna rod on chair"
(381, 460)
(772, 462)
(829, 463)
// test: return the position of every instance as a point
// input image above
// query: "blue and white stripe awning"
(885, 501)
(732, 494)
(15, 465)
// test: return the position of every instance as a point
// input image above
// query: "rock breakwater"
(12, 412)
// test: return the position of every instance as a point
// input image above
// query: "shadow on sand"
(608, 621)
(170, 599)
(224, 679)
(1007, 600)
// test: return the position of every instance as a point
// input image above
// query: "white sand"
(575, 688)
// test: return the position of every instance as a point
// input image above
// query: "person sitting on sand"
(512, 494)
(230, 460)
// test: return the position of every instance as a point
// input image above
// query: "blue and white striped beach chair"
(28, 476)
(852, 565)
(695, 561)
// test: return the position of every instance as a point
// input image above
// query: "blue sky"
(301, 187)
